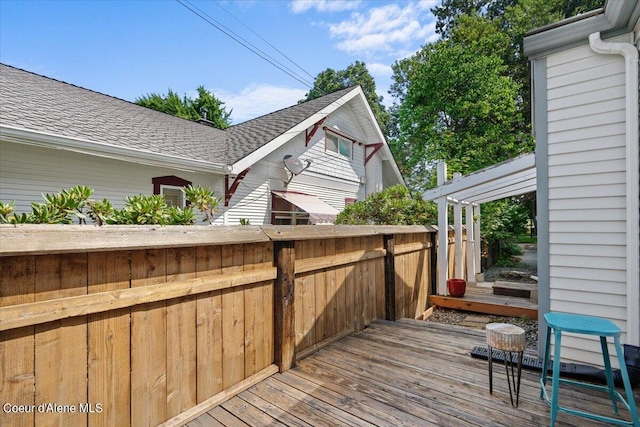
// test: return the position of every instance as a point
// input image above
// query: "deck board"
(410, 373)
(480, 299)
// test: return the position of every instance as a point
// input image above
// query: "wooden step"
(513, 289)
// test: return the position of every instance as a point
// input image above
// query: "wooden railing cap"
(51, 239)
(29, 239)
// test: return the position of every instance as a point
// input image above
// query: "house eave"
(257, 155)
(279, 141)
(615, 18)
(92, 148)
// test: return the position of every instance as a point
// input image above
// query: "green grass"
(527, 239)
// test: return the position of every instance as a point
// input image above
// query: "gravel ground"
(456, 317)
(518, 274)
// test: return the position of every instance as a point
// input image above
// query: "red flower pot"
(456, 287)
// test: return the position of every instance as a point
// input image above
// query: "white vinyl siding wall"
(331, 176)
(586, 166)
(26, 172)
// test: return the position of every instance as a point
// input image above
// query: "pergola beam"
(513, 183)
(492, 175)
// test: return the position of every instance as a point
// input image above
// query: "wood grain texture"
(410, 373)
(109, 342)
(50, 310)
(17, 383)
(233, 321)
(148, 342)
(61, 346)
(181, 335)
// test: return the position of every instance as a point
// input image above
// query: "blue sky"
(128, 48)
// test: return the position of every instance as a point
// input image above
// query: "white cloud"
(301, 6)
(388, 29)
(380, 70)
(257, 100)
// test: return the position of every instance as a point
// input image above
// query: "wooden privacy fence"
(150, 325)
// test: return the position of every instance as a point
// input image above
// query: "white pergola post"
(457, 226)
(478, 244)
(471, 243)
(443, 238)
(509, 178)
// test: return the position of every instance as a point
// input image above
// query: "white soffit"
(510, 178)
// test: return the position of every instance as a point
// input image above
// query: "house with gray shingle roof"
(55, 135)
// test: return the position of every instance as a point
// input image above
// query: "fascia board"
(620, 13)
(393, 163)
(618, 16)
(385, 148)
(541, 43)
(92, 148)
(289, 134)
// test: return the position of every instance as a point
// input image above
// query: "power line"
(246, 44)
(263, 39)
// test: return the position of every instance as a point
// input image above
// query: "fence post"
(389, 278)
(284, 307)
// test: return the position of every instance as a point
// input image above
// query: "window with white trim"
(174, 196)
(172, 188)
(338, 145)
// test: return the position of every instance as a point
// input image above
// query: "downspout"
(630, 54)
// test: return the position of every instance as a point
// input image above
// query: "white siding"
(251, 200)
(26, 172)
(331, 177)
(587, 239)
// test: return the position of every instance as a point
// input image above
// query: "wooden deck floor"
(479, 299)
(408, 373)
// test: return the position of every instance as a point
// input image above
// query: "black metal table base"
(511, 379)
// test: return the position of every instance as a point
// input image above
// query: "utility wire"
(251, 47)
(217, 3)
(239, 39)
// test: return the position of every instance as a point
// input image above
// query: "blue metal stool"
(587, 325)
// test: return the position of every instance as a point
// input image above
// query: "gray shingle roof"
(38, 103)
(34, 102)
(247, 137)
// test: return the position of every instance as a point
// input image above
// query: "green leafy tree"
(458, 107)
(189, 108)
(331, 80)
(393, 206)
(502, 221)
(449, 11)
(514, 18)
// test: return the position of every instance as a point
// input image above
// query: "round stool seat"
(506, 337)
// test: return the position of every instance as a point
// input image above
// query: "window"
(171, 187)
(174, 196)
(285, 213)
(338, 145)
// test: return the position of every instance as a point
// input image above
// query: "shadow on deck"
(410, 373)
(479, 299)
